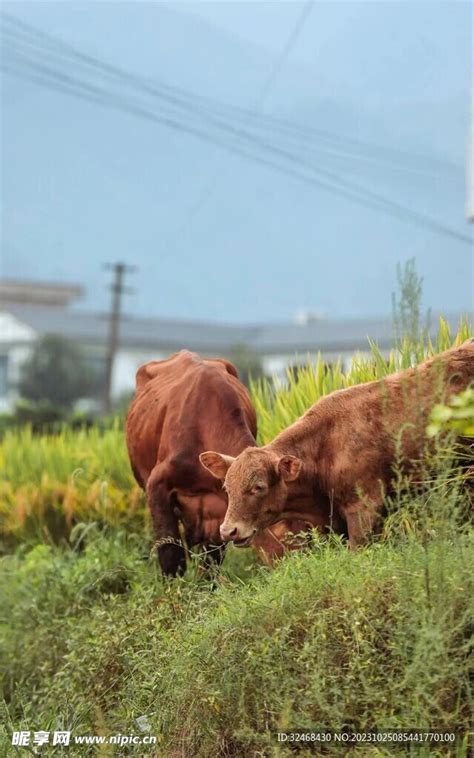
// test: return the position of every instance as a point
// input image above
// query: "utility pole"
(118, 289)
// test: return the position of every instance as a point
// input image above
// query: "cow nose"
(228, 534)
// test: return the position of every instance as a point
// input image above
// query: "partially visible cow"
(340, 454)
(184, 405)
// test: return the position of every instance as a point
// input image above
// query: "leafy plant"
(377, 639)
(247, 362)
(93, 639)
(55, 373)
(279, 404)
(406, 305)
(49, 483)
(456, 416)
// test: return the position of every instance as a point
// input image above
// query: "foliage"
(93, 638)
(42, 416)
(50, 483)
(377, 639)
(406, 308)
(278, 405)
(456, 416)
(247, 362)
(55, 372)
(121, 406)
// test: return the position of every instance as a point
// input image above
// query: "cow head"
(257, 487)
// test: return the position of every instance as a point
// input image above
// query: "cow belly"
(202, 515)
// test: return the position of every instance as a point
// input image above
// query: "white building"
(29, 311)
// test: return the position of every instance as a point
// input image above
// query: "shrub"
(55, 373)
(94, 638)
(378, 639)
(49, 483)
(456, 416)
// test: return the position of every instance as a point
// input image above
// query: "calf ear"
(289, 467)
(216, 463)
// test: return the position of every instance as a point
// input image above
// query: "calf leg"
(171, 553)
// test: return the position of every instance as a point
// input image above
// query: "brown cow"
(340, 454)
(184, 405)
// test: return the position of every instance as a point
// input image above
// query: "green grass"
(279, 406)
(377, 639)
(50, 483)
(92, 637)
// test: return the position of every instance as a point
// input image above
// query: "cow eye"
(258, 489)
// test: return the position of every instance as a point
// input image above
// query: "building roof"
(327, 335)
(13, 291)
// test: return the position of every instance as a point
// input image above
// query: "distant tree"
(406, 304)
(247, 362)
(55, 372)
(122, 405)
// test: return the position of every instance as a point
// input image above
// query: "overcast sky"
(383, 86)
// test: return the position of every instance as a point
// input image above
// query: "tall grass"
(93, 637)
(330, 640)
(50, 483)
(279, 404)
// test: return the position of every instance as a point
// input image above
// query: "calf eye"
(258, 489)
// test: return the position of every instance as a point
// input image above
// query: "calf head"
(256, 483)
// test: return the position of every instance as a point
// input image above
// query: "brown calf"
(337, 460)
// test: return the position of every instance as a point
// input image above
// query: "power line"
(66, 84)
(351, 190)
(30, 35)
(261, 97)
(285, 53)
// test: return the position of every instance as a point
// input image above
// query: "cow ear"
(216, 463)
(289, 467)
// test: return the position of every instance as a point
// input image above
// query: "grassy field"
(92, 638)
(50, 484)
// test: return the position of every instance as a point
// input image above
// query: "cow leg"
(171, 554)
(361, 518)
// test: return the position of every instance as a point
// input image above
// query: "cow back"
(184, 405)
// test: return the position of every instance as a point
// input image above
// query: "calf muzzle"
(240, 536)
(229, 533)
